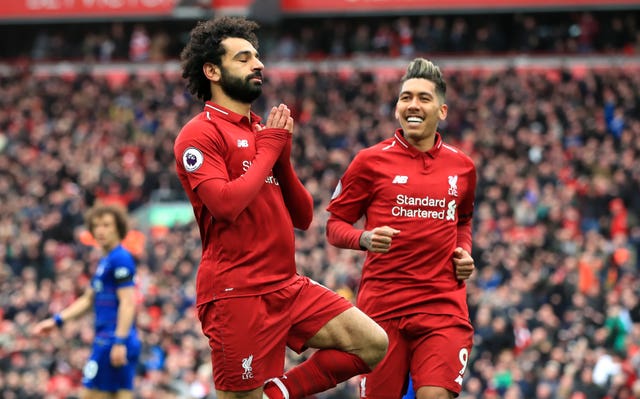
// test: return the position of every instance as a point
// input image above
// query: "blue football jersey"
(115, 270)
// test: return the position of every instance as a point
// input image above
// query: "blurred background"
(543, 95)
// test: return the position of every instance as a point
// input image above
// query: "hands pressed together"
(279, 118)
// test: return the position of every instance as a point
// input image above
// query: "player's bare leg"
(354, 332)
(349, 344)
(124, 394)
(93, 394)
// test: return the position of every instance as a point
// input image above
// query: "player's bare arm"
(76, 309)
(378, 239)
(126, 315)
(463, 263)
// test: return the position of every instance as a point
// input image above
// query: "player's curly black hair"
(204, 46)
(119, 215)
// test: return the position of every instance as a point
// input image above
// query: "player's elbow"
(329, 236)
(228, 215)
(303, 222)
(302, 226)
(223, 205)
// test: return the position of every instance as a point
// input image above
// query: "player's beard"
(241, 89)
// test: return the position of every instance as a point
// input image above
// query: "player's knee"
(377, 346)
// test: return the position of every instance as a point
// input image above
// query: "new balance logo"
(242, 143)
(400, 179)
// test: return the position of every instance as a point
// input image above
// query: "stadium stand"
(556, 140)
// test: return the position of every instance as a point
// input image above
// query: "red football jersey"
(429, 197)
(254, 253)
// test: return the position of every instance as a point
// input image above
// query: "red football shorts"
(434, 348)
(248, 335)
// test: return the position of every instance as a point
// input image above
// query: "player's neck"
(109, 247)
(422, 144)
(238, 107)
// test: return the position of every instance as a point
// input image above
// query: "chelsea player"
(110, 370)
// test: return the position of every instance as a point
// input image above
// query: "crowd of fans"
(554, 299)
(539, 33)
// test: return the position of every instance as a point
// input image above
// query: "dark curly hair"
(99, 210)
(204, 46)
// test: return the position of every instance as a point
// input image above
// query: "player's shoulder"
(368, 159)
(381, 149)
(451, 151)
(195, 128)
(120, 253)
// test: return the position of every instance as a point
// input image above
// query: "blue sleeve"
(124, 269)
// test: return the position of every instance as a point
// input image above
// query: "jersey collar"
(402, 141)
(211, 108)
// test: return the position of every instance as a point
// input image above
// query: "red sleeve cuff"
(342, 234)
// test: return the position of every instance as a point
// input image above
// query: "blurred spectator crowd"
(554, 299)
(539, 33)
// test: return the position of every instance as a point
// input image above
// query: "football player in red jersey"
(247, 199)
(417, 195)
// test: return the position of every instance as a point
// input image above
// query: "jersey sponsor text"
(402, 199)
(269, 179)
(442, 211)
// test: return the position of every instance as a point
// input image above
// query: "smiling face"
(419, 109)
(240, 73)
